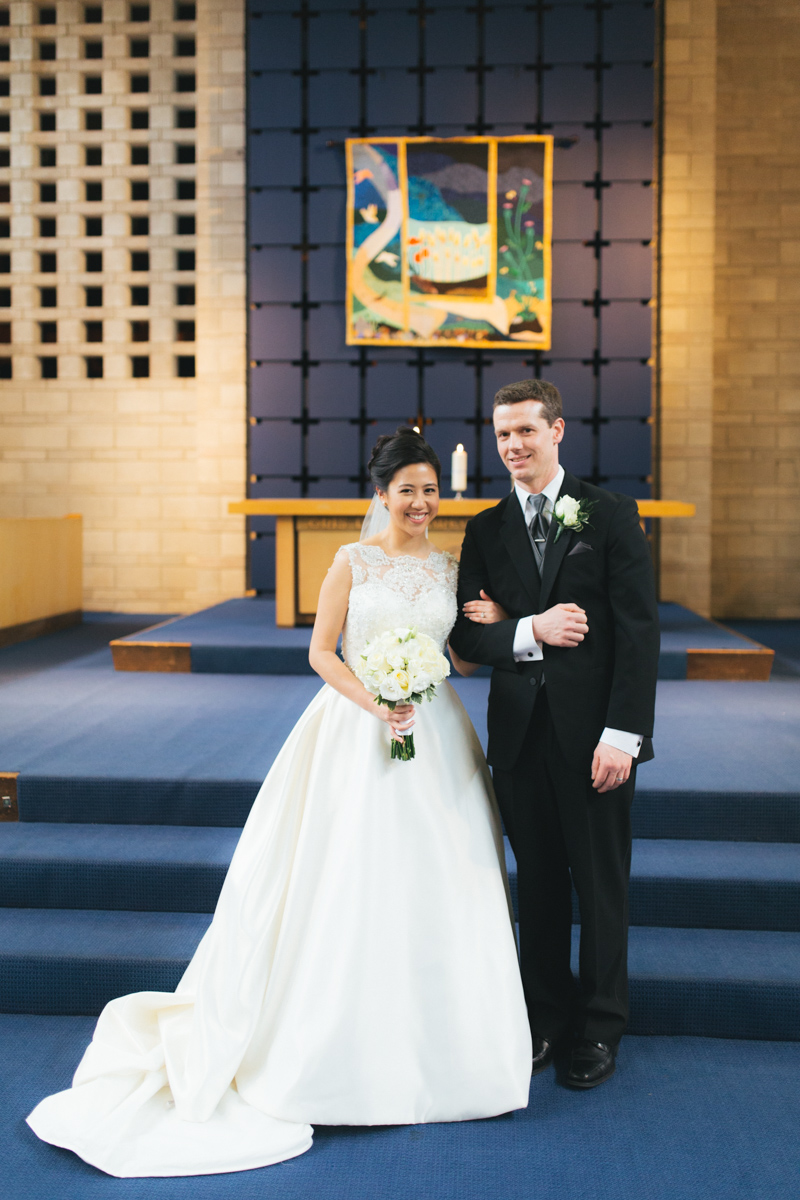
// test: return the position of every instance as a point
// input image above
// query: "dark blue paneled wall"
(320, 73)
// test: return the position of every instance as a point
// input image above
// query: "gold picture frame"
(449, 242)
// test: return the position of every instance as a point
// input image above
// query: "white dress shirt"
(527, 649)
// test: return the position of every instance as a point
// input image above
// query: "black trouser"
(559, 827)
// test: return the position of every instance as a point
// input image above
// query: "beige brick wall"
(756, 544)
(731, 306)
(151, 463)
(687, 297)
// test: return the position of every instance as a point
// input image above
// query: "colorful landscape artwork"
(449, 241)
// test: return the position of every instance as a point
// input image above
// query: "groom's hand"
(610, 767)
(561, 625)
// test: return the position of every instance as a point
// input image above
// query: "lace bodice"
(388, 592)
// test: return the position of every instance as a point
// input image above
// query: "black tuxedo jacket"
(609, 679)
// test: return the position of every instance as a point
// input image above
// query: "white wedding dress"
(361, 966)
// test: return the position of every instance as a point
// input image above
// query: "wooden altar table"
(309, 532)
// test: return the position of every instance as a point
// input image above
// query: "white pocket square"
(580, 548)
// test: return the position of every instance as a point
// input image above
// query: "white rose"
(420, 681)
(397, 658)
(396, 686)
(375, 660)
(432, 663)
(566, 511)
(390, 689)
(403, 681)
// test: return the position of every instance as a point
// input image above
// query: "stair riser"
(716, 816)
(709, 1008)
(738, 1009)
(77, 986)
(294, 660)
(679, 903)
(91, 801)
(696, 816)
(705, 904)
(251, 660)
(146, 887)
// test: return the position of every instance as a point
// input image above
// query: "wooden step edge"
(744, 665)
(9, 800)
(173, 657)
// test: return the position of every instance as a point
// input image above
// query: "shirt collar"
(551, 491)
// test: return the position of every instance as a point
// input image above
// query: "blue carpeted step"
(73, 962)
(708, 885)
(717, 983)
(150, 868)
(237, 637)
(241, 637)
(731, 816)
(92, 745)
(715, 885)
(714, 982)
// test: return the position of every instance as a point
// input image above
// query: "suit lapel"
(515, 538)
(555, 551)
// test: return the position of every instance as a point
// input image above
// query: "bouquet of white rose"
(402, 666)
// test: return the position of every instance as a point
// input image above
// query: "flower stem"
(404, 750)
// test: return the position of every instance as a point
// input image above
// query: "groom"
(570, 716)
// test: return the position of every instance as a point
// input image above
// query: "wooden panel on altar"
(318, 539)
(309, 532)
(41, 583)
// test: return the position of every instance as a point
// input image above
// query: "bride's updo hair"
(393, 451)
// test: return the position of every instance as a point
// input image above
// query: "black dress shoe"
(543, 1051)
(591, 1063)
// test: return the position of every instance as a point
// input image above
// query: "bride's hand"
(400, 719)
(484, 611)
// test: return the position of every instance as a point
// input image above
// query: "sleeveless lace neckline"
(391, 591)
(393, 557)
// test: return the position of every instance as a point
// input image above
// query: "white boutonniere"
(572, 514)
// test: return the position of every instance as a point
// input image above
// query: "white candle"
(458, 469)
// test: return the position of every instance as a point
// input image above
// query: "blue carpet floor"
(683, 1119)
(241, 637)
(69, 645)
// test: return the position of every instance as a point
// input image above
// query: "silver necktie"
(537, 527)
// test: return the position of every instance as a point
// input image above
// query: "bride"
(361, 966)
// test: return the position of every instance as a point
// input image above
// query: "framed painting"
(449, 241)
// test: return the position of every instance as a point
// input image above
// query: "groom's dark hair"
(532, 389)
